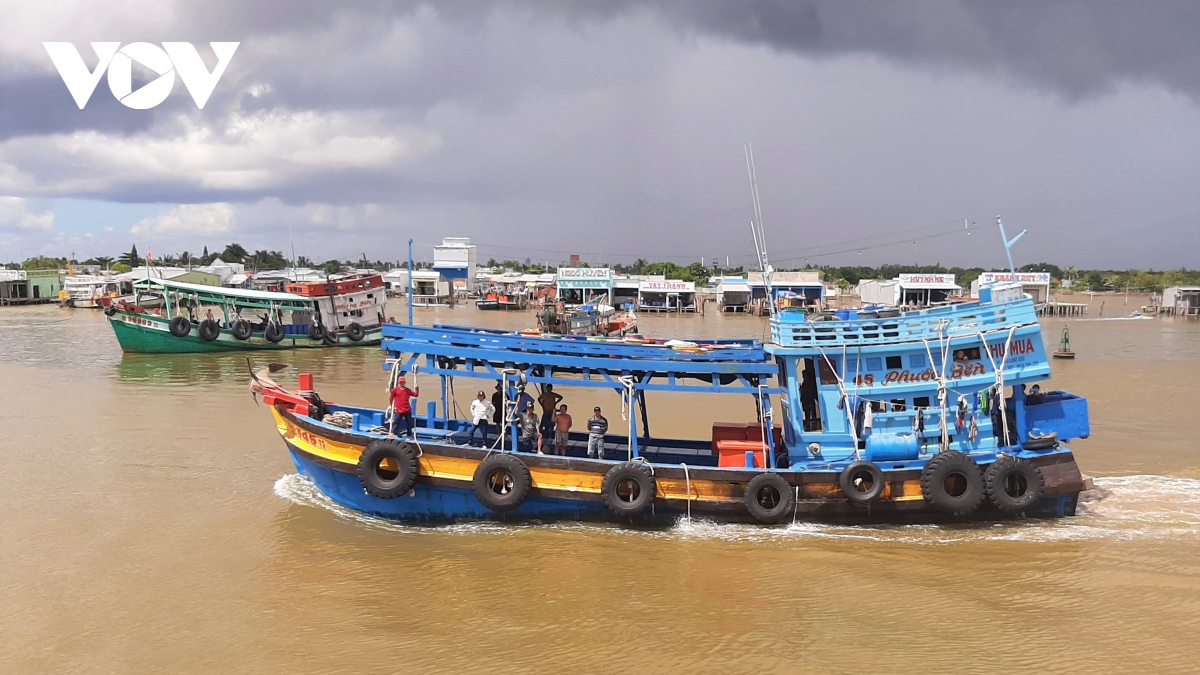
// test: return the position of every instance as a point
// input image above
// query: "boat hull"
(569, 488)
(149, 334)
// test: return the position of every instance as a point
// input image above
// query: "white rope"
(1000, 375)
(944, 351)
(688, 479)
(628, 382)
(845, 399)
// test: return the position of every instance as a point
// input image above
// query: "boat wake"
(1119, 508)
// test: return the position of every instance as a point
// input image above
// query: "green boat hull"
(148, 334)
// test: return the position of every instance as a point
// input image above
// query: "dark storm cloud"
(1070, 46)
(41, 104)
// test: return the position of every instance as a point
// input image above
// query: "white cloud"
(189, 220)
(15, 215)
(247, 153)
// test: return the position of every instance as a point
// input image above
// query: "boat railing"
(405, 338)
(924, 324)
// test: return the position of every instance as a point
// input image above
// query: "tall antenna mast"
(756, 228)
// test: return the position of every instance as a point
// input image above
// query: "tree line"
(848, 276)
(232, 253)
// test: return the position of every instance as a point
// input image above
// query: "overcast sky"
(616, 130)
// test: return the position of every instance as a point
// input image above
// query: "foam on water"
(1120, 508)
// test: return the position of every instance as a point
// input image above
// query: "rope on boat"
(1000, 376)
(944, 352)
(841, 385)
(688, 479)
(509, 408)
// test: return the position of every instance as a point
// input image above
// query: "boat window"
(878, 406)
(874, 363)
(828, 368)
(921, 402)
(894, 362)
(916, 361)
(783, 372)
(969, 354)
(898, 404)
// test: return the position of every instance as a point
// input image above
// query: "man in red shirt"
(400, 401)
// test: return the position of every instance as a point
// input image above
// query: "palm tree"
(103, 261)
(234, 253)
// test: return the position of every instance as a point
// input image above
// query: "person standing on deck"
(498, 410)
(529, 431)
(597, 426)
(562, 430)
(549, 400)
(481, 410)
(400, 400)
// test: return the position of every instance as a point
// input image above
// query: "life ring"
(316, 332)
(628, 488)
(501, 482)
(273, 333)
(355, 332)
(209, 330)
(952, 482)
(768, 498)
(392, 480)
(1013, 484)
(180, 326)
(241, 329)
(110, 310)
(862, 482)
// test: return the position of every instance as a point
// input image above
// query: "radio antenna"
(756, 227)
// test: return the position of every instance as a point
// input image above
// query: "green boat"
(190, 318)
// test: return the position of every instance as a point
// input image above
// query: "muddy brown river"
(152, 522)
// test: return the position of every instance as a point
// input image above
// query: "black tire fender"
(209, 330)
(501, 482)
(180, 326)
(629, 488)
(1013, 484)
(862, 482)
(380, 481)
(355, 332)
(1040, 444)
(110, 310)
(273, 333)
(952, 482)
(769, 498)
(316, 332)
(241, 329)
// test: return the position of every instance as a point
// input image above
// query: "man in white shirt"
(481, 410)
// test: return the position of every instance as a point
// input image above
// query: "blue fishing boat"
(891, 415)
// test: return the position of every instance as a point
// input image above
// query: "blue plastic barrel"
(846, 314)
(891, 447)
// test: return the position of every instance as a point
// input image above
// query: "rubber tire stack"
(640, 474)
(402, 454)
(995, 481)
(241, 330)
(855, 472)
(933, 483)
(513, 495)
(209, 330)
(180, 326)
(273, 333)
(756, 492)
